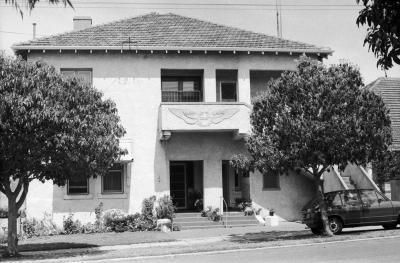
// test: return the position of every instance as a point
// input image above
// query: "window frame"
(236, 90)
(103, 192)
(87, 188)
(75, 70)
(277, 187)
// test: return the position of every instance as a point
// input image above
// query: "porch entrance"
(186, 184)
(235, 186)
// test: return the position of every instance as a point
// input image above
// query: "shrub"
(148, 207)
(165, 208)
(99, 211)
(198, 204)
(214, 215)
(71, 226)
(39, 227)
(113, 215)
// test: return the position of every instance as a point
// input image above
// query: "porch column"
(212, 183)
(244, 85)
(210, 90)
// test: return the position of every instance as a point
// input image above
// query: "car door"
(376, 208)
(352, 207)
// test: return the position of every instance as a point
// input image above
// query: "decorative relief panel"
(203, 118)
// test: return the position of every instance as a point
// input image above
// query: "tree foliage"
(383, 35)
(51, 128)
(315, 117)
(31, 4)
(387, 167)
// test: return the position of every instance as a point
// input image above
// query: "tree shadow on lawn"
(270, 236)
(40, 251)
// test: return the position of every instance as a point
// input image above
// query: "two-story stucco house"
(183, 88)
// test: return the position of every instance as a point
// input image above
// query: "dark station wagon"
(352, 208)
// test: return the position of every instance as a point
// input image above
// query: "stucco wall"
(332, 181)
(360, 177)
(395, 189)
(133, 82)
(295, 191)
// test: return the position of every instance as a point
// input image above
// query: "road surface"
(373, 250)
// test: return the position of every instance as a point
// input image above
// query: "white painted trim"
(112, 196)
(78, 197)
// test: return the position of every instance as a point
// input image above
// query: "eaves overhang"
(28, 48)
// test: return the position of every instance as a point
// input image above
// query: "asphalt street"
(373, 250)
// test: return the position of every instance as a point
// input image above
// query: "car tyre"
(316, 230)
(335, 225)
(390, 226)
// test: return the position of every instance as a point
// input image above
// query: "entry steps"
(196, 221)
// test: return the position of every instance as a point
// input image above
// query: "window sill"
(272, 189)
(78, 197)
(112, 196)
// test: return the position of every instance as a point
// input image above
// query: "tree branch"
(23, 195)
(18, 188)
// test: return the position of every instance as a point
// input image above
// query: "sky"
(328, 23)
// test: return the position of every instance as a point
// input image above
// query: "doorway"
(186, 184)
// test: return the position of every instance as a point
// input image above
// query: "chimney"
(34, 30)
(82, 22)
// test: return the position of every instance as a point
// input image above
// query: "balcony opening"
(226, 85)
(181, 85)
(259, 80)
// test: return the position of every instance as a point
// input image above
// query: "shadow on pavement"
(266, 236)
(48, 251)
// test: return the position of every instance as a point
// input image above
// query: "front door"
(178, 184)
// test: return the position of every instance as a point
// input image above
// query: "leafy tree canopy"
(383, 35)
(31, 4)
(51, 128)
(387, 167)
(315, 117)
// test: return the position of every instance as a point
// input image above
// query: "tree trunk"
(12, 227)
(323, 207)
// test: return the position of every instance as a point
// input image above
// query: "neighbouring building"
(183, 88)
(389, 90)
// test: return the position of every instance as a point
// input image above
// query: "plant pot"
(271, 213)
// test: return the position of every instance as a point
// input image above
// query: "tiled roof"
(389, 90)
(168, 31)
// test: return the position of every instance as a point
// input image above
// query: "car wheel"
(335, 225)
(316, 230)
(390, 226)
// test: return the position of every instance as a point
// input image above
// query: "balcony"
(181, 96)
(205, 116)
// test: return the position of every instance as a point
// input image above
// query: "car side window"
(334, 200)
(351, 198)
(369, 197)
(381, 198)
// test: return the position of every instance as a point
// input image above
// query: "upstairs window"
(113, 181)
(78, 186)
(227, 90)
(84, 74)
(181, 85)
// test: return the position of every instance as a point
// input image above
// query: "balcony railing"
(181, 96)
